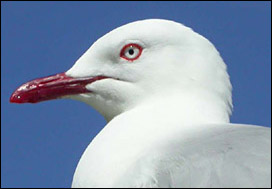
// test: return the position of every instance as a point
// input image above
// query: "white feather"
(168, 114)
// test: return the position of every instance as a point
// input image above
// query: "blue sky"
(41, 144)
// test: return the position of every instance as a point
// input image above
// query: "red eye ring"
(127, 49)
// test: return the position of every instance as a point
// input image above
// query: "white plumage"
(168, 115)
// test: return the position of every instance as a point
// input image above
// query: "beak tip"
(14, 98)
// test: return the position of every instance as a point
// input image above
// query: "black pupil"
(131, 51)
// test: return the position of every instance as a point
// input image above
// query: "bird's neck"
(178, 108)
(135, 132)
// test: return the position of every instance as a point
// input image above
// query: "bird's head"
(135, 63)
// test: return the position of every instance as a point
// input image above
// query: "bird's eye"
(131, 52)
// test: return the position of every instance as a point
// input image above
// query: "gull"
(166, 95)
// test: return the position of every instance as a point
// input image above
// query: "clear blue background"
(42, 143)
